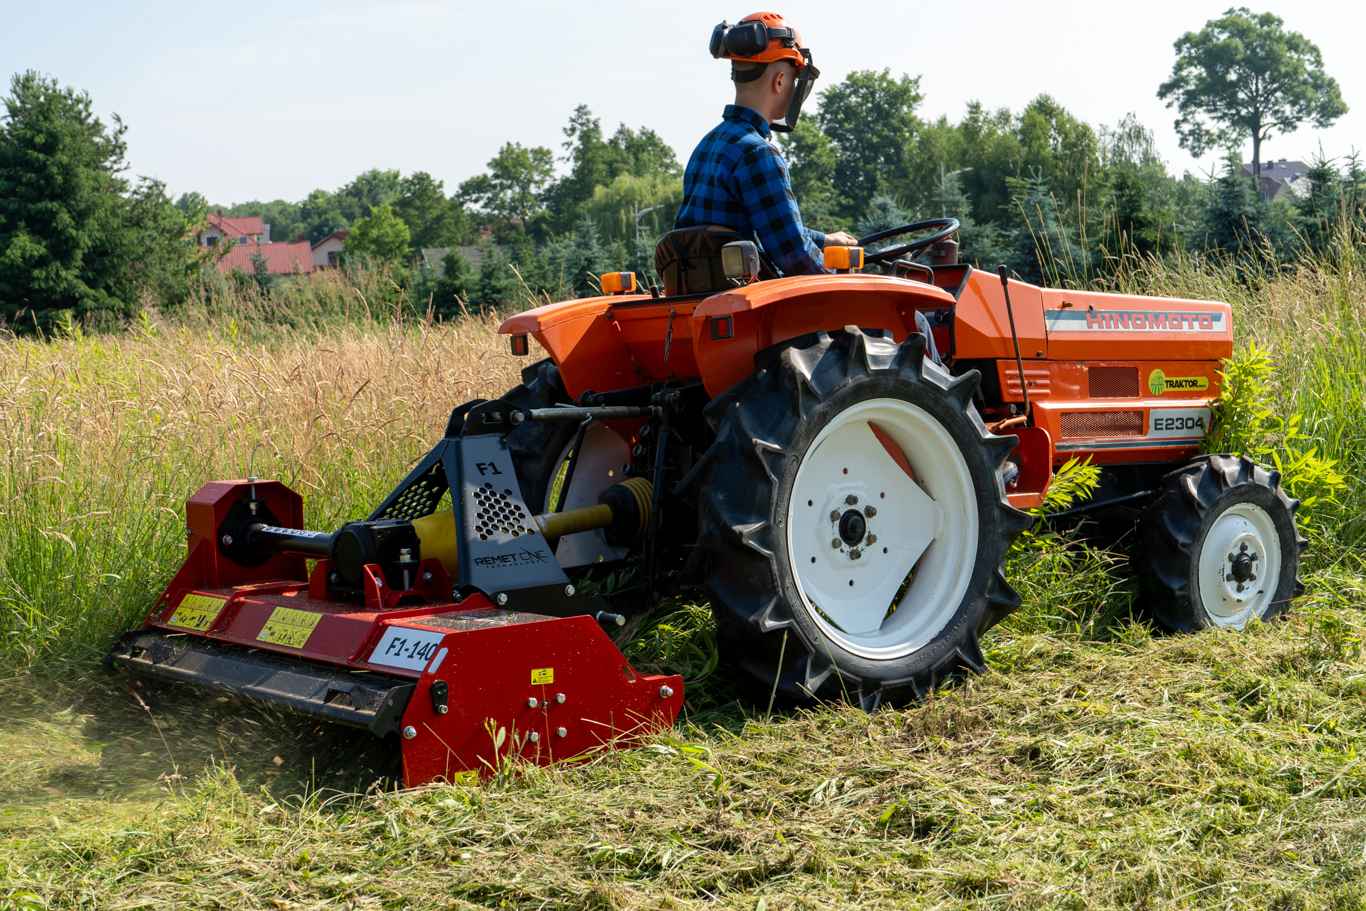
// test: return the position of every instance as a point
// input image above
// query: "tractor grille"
(497, 515)
(1097, 425)
(420, 498)
(1113, 382)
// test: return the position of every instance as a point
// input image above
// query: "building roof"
(242, 226)
(281, 259)
(340, 234)
(1282, 171)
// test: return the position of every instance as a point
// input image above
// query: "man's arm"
(766, 195)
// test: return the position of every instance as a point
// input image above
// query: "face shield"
(801, 89)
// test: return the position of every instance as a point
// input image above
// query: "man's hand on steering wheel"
(840, 239)
(941, 228)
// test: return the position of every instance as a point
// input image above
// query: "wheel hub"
(852, 527)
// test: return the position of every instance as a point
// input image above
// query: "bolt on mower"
(841, 461)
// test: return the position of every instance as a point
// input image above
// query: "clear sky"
(266, 100)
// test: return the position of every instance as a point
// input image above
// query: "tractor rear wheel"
(537, 446)
(1219, 547)
(854, 521)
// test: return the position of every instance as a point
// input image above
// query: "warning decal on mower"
(288, 626)
(542, 676)
(197, 612)
(406, 648)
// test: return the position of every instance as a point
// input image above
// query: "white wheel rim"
(1240, 565)
(923, 528)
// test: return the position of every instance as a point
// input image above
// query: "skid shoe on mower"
(465, 684)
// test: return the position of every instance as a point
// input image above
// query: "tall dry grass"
(104, 437)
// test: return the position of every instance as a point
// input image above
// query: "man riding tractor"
(736, 180)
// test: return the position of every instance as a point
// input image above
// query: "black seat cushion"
(688, 260)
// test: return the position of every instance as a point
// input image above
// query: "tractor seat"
(688, 260)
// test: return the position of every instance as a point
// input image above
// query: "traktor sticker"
(1159, 383)
(1091, 320)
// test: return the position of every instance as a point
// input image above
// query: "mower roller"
(840, 462)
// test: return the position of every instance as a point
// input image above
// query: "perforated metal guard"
(420, 498)
(1099, 425)
(1113, 382)
(496, 516)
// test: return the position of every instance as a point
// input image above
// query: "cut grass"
(1218, 770)
(1096, 766)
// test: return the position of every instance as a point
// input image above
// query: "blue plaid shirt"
(737, 178)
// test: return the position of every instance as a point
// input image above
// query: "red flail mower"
(838, 462)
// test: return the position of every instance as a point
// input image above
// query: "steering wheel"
(943, 229)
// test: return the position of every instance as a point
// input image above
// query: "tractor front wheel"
(854, 521)
(1219, 546)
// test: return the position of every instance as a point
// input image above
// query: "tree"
(433, 220)
(63, 237)
(382, 235)
(870, 119)
(812, 161)
(511, 191)
(320, 215)
(366, 191)
(1059, 148)
(1245, 75)
(1236, 215)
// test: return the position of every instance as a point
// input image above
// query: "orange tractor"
(840, 461)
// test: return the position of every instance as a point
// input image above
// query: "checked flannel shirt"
(737, 178)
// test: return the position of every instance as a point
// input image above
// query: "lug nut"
(872, 539)
(834, 515)
(666, 692)
(870, 511)
(409, 732)
(855, 554)
(835, 543)
(851, 500)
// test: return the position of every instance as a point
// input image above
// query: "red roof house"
(219, 228)
(281, 259)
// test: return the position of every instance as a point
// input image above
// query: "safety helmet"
(759, 38)
(762, 38)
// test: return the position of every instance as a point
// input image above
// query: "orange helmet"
(759, 38)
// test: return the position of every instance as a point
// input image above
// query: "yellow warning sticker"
(1159, 383)
(542, 676)
(288, 626)
(197, 612)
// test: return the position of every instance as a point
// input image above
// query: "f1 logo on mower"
(487, 468)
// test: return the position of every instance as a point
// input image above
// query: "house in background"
(327, 252)
(220, 228)
(280, 259)
(1282, 177)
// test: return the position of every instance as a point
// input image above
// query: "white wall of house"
(326, 253)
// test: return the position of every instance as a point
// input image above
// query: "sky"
(245, 101)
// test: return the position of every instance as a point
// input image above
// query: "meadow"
(1098, 764)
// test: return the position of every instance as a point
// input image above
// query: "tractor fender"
(584, 342)
(729, 328)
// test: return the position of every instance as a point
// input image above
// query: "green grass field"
(1097, 765)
